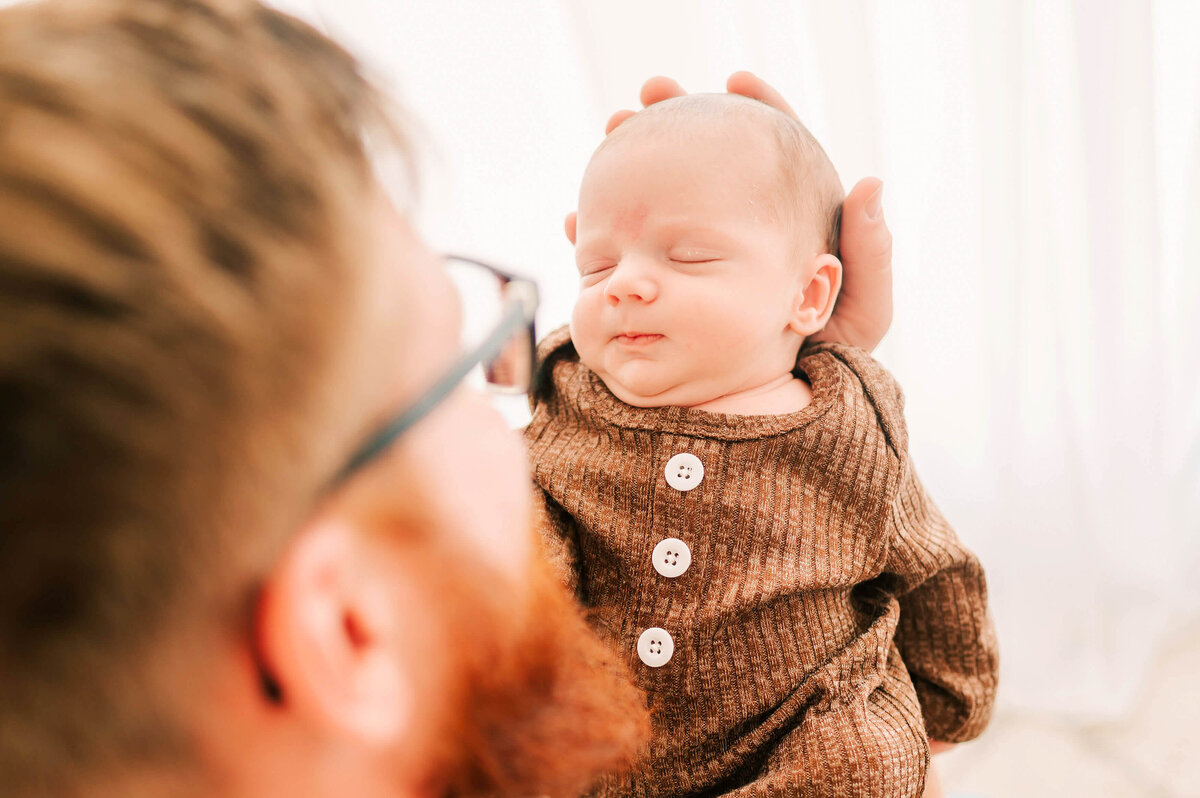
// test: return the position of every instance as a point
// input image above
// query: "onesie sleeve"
(558, 538)
(945, 635)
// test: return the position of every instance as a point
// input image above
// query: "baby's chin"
(638, 399)
(640, 382)
(635, 387)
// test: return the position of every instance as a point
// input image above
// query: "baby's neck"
(787, 394)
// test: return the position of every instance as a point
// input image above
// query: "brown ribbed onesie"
(829, 618)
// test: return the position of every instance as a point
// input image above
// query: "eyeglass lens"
(483, 298)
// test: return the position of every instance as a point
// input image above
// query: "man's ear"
(814, 304)
(326, 627)
(569, 226)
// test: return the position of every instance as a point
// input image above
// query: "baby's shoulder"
(864, 376)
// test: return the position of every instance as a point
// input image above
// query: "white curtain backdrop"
(1042, 169)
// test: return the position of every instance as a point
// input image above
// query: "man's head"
(205, 304)
(706, 241)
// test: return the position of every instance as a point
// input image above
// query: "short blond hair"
(181, 186)
(809, 190)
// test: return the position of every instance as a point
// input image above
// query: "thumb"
(866, 241)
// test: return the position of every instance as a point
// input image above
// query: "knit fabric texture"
(829, 620)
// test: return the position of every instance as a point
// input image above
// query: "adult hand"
(863, 311)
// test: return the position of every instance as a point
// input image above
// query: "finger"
(657, 89)
(863, 313)
(750, 85)
(616, 119)
(654, 90)
(569, 226)
(866, 242)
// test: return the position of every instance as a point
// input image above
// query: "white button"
(672, 557)
(655, 647)
(684, 471)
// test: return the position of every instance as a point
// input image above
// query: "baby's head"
(706, 241)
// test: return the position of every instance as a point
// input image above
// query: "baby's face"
(688, 269)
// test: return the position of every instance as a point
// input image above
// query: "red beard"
(537, 705)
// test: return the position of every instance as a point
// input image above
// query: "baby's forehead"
(773, 151)
(751, 132)
(754, 136)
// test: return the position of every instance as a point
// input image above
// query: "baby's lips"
(636, 338)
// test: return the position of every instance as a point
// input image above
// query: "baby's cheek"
(585, 327)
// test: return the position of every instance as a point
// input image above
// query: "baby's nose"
(631, 281)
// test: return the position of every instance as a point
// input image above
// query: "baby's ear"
(569, 226)
(814, 305)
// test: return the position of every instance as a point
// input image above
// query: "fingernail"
(875, 204)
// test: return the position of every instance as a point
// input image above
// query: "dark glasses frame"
(520, 297)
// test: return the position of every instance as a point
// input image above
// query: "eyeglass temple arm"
(519, 315)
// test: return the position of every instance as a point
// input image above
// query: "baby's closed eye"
(687, 254)
(596, 269)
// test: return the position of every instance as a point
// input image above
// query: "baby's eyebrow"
(667, 234)
(697, 235)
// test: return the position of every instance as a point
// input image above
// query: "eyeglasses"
(497, 310)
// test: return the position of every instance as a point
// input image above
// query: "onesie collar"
(565, 382)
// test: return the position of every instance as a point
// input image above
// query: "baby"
(739, 513)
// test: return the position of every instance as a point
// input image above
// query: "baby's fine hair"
(809, 188)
